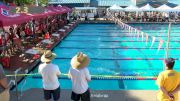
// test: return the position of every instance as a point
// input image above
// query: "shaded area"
(96, 95)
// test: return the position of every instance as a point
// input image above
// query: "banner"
(138, 32)
(135, 32)
(153, 40)
(4, 12)
(160, 45)
(142, 35)
(147, 39)
(129, 30)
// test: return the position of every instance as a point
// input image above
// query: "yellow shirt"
(168, 79)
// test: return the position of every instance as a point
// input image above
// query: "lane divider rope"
(95, 77)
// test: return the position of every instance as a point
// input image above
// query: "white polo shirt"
(49, 74)
(80, 78)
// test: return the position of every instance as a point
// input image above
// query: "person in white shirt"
(80, 77)
(50, 73)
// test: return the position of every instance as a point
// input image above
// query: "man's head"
(80, 60)
(48, 56)
(169, 62)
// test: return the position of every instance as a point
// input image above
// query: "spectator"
(4, 91)
(168, 82)
(50, 73)
(80, 76)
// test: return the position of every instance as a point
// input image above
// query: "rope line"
(112, 41)
(122, 58)
(95, 77)
(113, 48)
(117, 36)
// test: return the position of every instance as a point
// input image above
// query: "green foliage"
(30, 2)
(43, 2)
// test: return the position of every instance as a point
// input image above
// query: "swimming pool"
(114, 52)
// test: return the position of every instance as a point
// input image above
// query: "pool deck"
(96, 95)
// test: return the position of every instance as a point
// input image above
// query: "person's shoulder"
(85, 69)
(51, 64)
(162, 73)
(54, 65)
(72, 69)
(41, 65)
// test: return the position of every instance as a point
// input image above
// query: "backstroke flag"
(147, 39)
(142, 35)
(153, 40)
(160, 45)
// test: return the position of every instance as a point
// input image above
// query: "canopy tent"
(67, 9)
(7, 19)
(50, 10)
(13, 19)
(116, 8)
(132, 8)
(53, 9)
(1, 3)
(85, 8)
(42, 15)
(164, 8)
(63, 9)
(147, 7)
(177, 8)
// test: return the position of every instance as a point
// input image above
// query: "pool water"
(114, 51)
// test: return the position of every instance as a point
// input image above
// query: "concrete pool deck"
(96, 95)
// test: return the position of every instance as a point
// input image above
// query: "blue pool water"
(114, 51)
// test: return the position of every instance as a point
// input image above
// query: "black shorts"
(84, 97)
(49, 93)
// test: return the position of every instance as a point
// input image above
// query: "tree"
(43, 2)
(27, 2)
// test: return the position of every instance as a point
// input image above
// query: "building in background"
(107, 3)
(92, 3)
(153, 2)
(71, 3)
